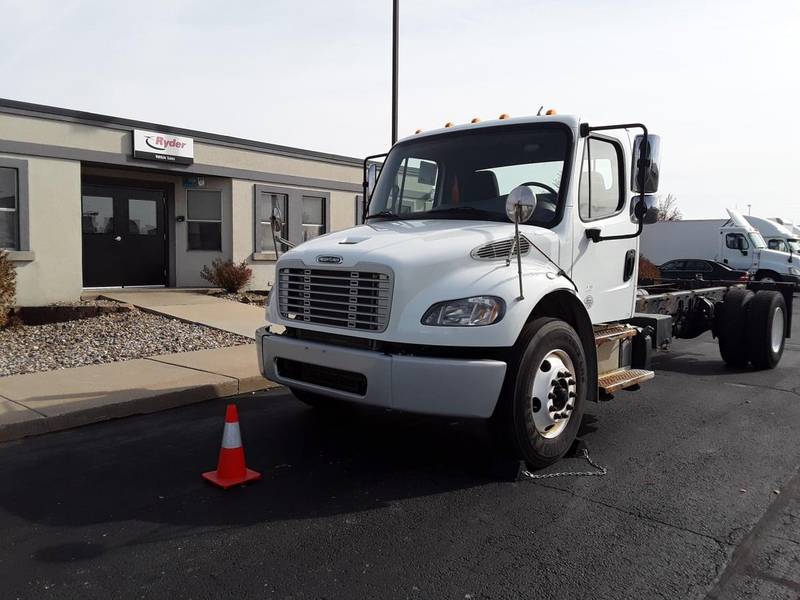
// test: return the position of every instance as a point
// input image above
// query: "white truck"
(734, 242)
(776, 235)
(495, 277)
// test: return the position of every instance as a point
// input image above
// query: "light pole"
(395, 27)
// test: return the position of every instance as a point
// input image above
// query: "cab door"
(736, 250)
(605, 271)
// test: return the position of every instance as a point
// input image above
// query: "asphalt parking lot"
(702, 500)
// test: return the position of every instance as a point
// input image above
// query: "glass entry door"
(123, 236)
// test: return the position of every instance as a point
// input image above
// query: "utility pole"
(748, 210)
(395, 28)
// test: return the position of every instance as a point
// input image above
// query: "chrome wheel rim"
(778, 327)
(553, 394)
(767, 279)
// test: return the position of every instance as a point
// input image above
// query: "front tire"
(544, 394)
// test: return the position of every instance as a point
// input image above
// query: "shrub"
(228, 275)
(648, 272)
(8, 287)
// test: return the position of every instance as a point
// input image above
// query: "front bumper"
(439, 386)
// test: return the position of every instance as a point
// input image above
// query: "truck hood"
(398, 243)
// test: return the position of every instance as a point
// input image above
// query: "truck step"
(623, 378)
(610, 333)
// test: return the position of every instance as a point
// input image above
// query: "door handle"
(630, 261)
(118, 238)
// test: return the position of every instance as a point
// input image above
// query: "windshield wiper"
(461, 209)
(385, 214)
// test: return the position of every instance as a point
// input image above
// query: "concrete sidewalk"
(196, 307)
(37, 403)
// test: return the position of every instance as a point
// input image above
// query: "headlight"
(466, 312)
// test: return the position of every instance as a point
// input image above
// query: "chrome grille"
(337, 298)
(500, 249)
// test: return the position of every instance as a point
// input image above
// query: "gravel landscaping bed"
(107, 338)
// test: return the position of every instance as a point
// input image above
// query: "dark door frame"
(166, 187)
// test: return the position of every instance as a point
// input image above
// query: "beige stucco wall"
(54, 201)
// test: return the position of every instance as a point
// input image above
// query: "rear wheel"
(732, 327)
(766, 329)
(544, 394)
(768, 276)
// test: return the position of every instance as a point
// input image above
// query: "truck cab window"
(600, 194)
(777, 244)
(736, 241)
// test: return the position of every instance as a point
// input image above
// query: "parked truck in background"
(495, 277)
(734, 242)
(776, 235)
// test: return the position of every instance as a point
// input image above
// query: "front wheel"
(544, 394)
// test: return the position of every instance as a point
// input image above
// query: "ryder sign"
(164, 147)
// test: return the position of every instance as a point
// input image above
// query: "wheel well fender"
(770, 272)
(564, 305)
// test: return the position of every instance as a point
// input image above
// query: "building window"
(204, 219)
(271, 203)
(313, 217)
(600, 194)
(9, 209)
(304, 215)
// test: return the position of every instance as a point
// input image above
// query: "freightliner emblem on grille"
(330, 260)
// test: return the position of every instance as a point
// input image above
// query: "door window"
(699, 265)
(97, 214)
(142, 217)
(204, 219)
(673, 265)
(736, 241)
(600, 193)
(777, 244)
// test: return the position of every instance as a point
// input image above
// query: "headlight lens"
(466, 312)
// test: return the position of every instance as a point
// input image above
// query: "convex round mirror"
(520, 204)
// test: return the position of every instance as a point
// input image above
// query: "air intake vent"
(500, 249)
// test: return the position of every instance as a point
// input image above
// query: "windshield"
(757, 240)
(467, 175)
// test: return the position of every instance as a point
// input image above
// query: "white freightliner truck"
(738, 242)
(495, 277)
(776, 235)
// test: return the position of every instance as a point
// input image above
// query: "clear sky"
(718, 80)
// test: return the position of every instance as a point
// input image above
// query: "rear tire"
(768, 276)
(732, 327)
(539, 413)
(766, 329)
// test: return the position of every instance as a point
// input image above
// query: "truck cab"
(743, 246)
(494, 277)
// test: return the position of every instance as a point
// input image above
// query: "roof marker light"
(504, 116)
(475, 120)
(448, 124)
(418, 131)
(550, 112)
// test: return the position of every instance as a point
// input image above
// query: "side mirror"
(372, 177)
(647, 210)
(646, 161)
(520, 204)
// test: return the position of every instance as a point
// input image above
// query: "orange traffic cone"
(231, 469)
